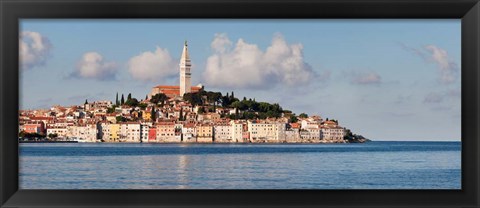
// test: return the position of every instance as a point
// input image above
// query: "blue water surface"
(372, 165)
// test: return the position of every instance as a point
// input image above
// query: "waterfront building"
(82, 133)
(152, 134)
(237, 131)
(261, 131)
(332, 133)
(130, 132)
(104, 131)
(310, 135)
(166, 131)
(37, 127)
(145, 131)
(114, 132)
(292, 135)
(204, 133)
(222, 132)
(189, 133)
(60, 131)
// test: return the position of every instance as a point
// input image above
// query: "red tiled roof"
(295, 125)
(167, 87)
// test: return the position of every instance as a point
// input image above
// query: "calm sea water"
(373, 165)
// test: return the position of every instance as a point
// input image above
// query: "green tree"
(159, 98)
(122, 101)
(303, 115)
(117, 102)
(129, 97)
(111, 110)
(293, 118)
(213, 97)
(193, 98)
(132, 102)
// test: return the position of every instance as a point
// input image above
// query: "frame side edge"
(470, 111)
(8, 103)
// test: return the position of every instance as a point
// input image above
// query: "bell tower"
(185, 75)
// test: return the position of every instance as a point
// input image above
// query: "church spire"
(185, 55)
(185, 75)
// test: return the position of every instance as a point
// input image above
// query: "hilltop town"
(180, 114)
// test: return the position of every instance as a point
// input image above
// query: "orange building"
(171, 91)
(37, 127)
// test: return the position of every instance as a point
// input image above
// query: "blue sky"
(384, 79)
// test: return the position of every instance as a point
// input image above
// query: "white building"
(264, 132)
(60, 131)
(332, 134)
(222, 133)
(309, 123)
(237, 131)
(130, 132)
(189, 133)
(104, 131)
(83, 133)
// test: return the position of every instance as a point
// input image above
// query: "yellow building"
(114, 132)
(204, 133)
(146, 115)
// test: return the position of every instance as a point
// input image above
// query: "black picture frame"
(13, 10)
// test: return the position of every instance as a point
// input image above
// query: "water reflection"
(193, 167)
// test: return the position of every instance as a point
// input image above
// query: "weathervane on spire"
(186, 43)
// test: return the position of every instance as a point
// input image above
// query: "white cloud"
(93, 66)
(221, 43)
(34, 49)
(153, 66)
(365, 78)
(245, 65)
(448, 69)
